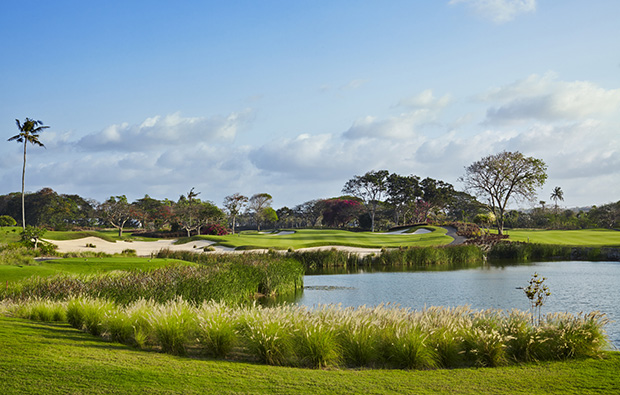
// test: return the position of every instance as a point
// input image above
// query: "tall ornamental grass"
(233, 282)
(332, 336)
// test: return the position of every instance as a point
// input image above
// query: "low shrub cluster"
(228, 281)
(332, 336)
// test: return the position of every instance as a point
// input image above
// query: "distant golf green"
(12, 273)
(304, 238)
(583, 237)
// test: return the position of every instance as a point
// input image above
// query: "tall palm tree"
(556, 195)
(28, 133)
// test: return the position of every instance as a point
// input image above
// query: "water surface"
(575, 287)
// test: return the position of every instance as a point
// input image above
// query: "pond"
(575, 287)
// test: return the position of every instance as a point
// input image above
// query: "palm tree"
(556, 195)
(28, 133)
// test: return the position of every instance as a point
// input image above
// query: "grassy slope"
(318, 237)
(79, 266)
(54, 358)
(585, 237)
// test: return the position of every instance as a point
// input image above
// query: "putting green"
(305, 238)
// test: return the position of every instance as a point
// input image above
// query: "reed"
(233, 282)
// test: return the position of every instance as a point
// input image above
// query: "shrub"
(7, 220)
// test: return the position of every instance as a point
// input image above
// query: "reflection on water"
(575, 287)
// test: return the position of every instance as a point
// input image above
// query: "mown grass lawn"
(303, 238)
(12, 273)
(55, 358)
(583, 237)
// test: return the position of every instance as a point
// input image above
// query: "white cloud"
(499, 11)
(423, 111)
(162, 131)
(548, 99)
(426, 99)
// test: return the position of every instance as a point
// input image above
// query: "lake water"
(575, 287)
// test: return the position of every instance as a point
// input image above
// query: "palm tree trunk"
(23, 183)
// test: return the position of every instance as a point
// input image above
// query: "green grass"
(11, 273)
(303, 238)
(46, 358)
(584, 237)
(10, 234)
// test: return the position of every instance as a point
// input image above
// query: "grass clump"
(216, 329)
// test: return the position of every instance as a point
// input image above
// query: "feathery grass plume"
(129, 324)
(487, 348)
(216, 328)
(94, 313)
(522, 336)
(408, 347)
(567, 336)
(173, 325)
(42, 310)
(315, 337)
(358, 335)
(266, 333)
(88, 314)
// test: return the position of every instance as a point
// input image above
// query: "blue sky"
(294, 98)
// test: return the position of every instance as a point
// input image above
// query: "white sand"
(146, 248)
(143, 248)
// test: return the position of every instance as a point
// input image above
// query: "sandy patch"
(402, 232)
(283, 233)
(143, 248)
(352, 250)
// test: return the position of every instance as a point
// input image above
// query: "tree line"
(376, 199)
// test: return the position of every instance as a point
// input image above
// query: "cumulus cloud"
(161, 131)
(427, 100)
(422, 111)
(546, 98)
(499, 11)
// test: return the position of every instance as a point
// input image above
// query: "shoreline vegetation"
(383, 336)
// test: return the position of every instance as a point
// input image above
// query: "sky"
(295, 98)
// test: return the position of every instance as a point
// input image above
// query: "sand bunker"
(142, 248)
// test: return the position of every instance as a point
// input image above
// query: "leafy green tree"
(503, 176)
(28, 133)
(32, 234)
(234, 204)
(7, 220)
(257, 205)
(209, 214)
(309, 213)
(269, 215)
(187, 211)
(402, 193)
(370, 188)
(117, 211)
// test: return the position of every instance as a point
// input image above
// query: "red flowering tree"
(340, 212)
